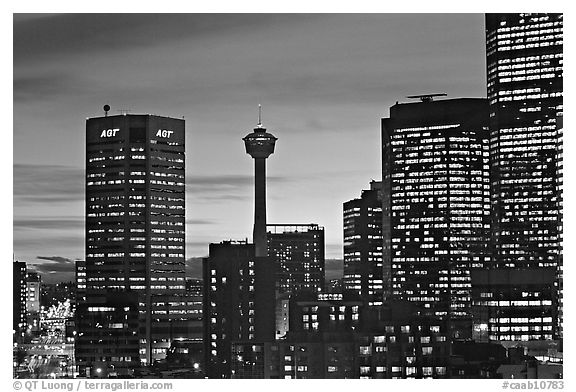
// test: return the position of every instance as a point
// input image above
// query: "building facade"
(514, 304)
(436, 204)
(135, 205)
(525, 88)
(33, 292)
(363, 267)
(525, 82)
(298, 252)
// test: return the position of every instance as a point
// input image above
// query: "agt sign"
(112, 133)
(109, 132)
(164, 133)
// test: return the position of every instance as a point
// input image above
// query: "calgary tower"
(260, 144)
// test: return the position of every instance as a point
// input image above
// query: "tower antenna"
(259, 115)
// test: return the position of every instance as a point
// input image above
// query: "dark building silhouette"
(363, 267)
(19, 321)
(436, 204)
(238, 302)
(525, 88)
(185, 358)
(134, 234)
(108, 338)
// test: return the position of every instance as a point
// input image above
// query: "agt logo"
(109, 132)
(164, 133)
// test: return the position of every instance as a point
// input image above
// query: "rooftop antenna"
(426, 97)
(124, 111)
(106, 110)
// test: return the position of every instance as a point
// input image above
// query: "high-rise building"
(560, 266)
(298, 252)
(363, 268)
(134, 234)
(436, 204)
(525, 87)
(238, 302)
(18, 298)
(525, 80)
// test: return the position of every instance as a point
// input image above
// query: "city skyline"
(317, 76)
(449, 266)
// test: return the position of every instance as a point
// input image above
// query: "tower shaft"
(259, 233)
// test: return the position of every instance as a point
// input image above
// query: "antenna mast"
(259, 115)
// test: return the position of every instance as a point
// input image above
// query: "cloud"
(199, 222)
(56, 259)
(48, 183)
(226, 187)
(49, 223)
(73, 34)
(54, 268)
(46, 84)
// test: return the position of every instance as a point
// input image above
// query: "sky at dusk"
(324, 82)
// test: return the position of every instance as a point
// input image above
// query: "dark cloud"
(58, 35)
(49, 223)
(56, 259)
(48, 184)
(44, 85)
(54, 268)
(224, 188)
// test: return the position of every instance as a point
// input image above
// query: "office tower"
(436, 203)
(525, 83)
(560, 266)
(134, 236)
(18, 298)
(298, 252)
(363, 268)
(524, 60)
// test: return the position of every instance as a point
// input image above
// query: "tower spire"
(259, 116)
